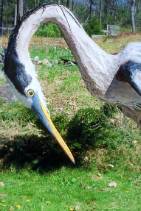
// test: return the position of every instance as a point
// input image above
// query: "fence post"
(107, 30)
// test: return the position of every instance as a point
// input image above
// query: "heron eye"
(30, 92)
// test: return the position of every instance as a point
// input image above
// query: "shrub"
(48, 30)
(108, 110)
(86, 128)
(90, 129)
(93, 27)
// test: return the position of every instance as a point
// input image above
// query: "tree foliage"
(93, 27)
(107, 11)
(48, 30)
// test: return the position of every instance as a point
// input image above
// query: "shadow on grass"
(88, 129)
(37, 153)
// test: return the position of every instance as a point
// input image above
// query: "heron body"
(114, 79)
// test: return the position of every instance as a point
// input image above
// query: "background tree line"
(93, 14)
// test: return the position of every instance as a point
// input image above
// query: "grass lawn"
(70, 188)
(36, 173)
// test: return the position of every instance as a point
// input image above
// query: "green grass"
(49, 52)
(68, 84)
(36, 172)
(2, 81)
(69, 187)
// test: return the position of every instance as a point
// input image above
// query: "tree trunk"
(68, 3)
(72, 6)
(19, 9)
(100, 11)
(25, 6)
(137, 6)
(105, 7)
(133, 15)
(15, 19)
(1, 31)
(1, 13)
(115, 10)
(90, 16)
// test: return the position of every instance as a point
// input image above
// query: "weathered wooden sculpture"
(115, 79)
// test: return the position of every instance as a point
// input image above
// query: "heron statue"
(115, 79)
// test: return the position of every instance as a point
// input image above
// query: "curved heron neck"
(93, 62)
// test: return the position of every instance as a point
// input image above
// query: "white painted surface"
(98, 69)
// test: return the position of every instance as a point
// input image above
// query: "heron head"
(24, 82)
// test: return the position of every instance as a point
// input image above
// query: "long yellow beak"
(41, 112)
(56, 135)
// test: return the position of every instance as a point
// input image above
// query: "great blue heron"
(114, 79)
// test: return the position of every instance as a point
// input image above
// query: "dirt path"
(122, 40)
(38, 41)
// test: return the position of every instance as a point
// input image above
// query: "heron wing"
(130, 72)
